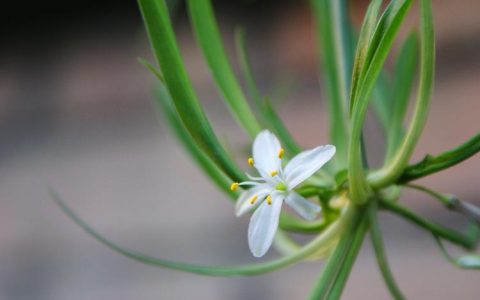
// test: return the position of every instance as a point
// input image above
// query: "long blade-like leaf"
(162, 39)
(395, 168)
(335, 51)
(208, 36)
(385, 34)
(432, 164)
(267, 113)
(253, 269)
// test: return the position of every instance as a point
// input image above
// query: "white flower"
(275, 186)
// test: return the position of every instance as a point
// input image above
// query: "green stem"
(336, 270)
(378, 246)
(396, 166)
(439, 230)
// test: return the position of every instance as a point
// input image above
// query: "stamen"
(274, 173)
(280, 153)
(269, 200)
(253, 199)
(234, 186)
(250, 161)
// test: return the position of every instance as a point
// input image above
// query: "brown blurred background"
(76, 113)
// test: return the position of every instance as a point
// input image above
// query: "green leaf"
(269, 115)
(382, 101)
(378, 49)
(160, 32)
(364, 44)
(432, 164)
(208, 36)
(334, 38)
(396, 166)
(165, 105)
(404, 74)
(246, 67)
(380, 254)
(246, 270)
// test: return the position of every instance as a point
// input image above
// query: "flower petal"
(264, 224)
(302, 206)
(265, 150)
(306, 164)
(243, 204)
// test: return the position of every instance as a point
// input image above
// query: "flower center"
(281, 187)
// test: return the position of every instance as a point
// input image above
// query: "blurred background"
(76, 113)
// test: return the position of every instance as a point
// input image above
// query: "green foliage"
(351, 194)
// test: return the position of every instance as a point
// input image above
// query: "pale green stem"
(394, 169)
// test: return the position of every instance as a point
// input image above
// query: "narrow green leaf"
(382, 101)
(246, 270)
(334, 38)
(364, 43)
(377, 242)
(432, 164)
(385, 34)
(160, 32)
(268, 115)
(165, 105)
(395, 168)
(246, 67)
(208, 36)
(404, 74)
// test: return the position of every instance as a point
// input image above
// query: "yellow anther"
(269, 200)
(274, 173)
(253, 199)
(234, 186)
(280, 153)
(250, 162)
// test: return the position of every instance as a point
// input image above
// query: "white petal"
(265, 153)
(243, 203)
(264, 224)
(302, 206)
(306, 163)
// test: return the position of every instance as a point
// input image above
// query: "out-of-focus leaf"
(246, 270)
(246, 66)
(208, 36)
(404, 74)
(335, 50)
(160, 32)
(268, 114)
(164, 102)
